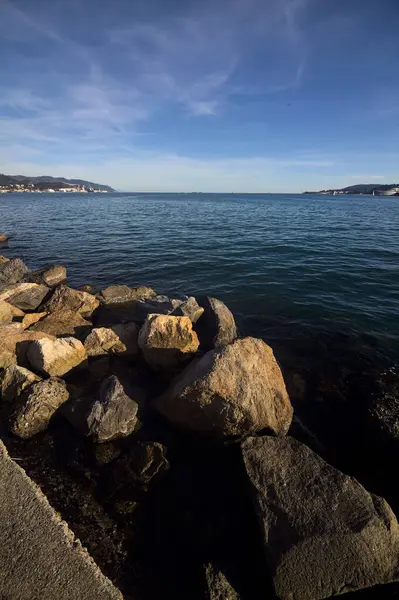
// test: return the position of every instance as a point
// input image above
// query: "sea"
(317, 277)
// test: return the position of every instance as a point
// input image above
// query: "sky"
(210, 95)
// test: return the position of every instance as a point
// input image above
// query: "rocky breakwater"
(167, 442)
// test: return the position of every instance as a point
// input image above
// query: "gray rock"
(36, 406)
(167, 342)
(324, 534)
(12, 270)
(111, 415)
(56, 357)
(115, 294)
(66, 298)
(189, 308)
(50, 276)
(14, 380)
(39, 555)
(216, 327)
(133, 311)
(25, 296)
(234, 390)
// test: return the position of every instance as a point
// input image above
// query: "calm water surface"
(307, 273)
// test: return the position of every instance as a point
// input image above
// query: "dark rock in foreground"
(324, 534)
(216, 327)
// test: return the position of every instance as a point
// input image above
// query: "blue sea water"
(305, 272)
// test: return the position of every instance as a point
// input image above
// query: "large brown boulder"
(106, 416)
(167, 342)
(63, 323)
(216, 327)
(56, 358)
(25, 296)
(14, 380)
(14, 346)
(234, 390)
(12, 271)
(115, 294)
(324, 534)
(66, 298)
(50, 276)
(36, 406)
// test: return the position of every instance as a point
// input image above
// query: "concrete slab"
(40, 558)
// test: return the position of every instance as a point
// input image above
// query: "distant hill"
(391, 189)
(55, 182)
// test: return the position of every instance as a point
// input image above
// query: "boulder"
(111, 415)
(3, 259)
(216, 327)
(189, 308)
(6, 313)
(14, 346)
(50, 276)
(120, 339)
(167, 342)
(234, 390)
(66, 298)
(324, 534)
(25, 296)
(114, 294)
(64, 323)
(36, 406)
(15, 379)
(32, 318)
(3, 238)
(56, 358)
(12, 271)
(133, 311)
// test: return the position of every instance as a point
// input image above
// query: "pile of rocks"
(143, 379)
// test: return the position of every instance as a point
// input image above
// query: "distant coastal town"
(44, 184)
(391, 189)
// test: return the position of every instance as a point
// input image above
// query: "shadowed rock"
(189, 308)
(64, 323)
(14, 346)
(14, 380)
(56, 358)
(216, 327)
(233, 390)
(36, 406)
(324, 534)
(25, 296)
(115, 294)
(119, 339)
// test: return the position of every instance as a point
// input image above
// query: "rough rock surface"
(56, 358)
(25, 296)
(14, 346)
(216, 327)
(189, 308)
(324, 534)
(167, 341)
(14, 380)
(51, 563)
(3, 259)
(49, 276)
(36, 406)
(133, 311)
(63, 323)
(119, 339)
(234, 390)
(32, 318)
(6, 312)
(114, 294)
(219, 587)
(12, 270)
(111, 415)
(66, 298)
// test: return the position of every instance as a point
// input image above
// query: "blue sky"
(217, 95)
